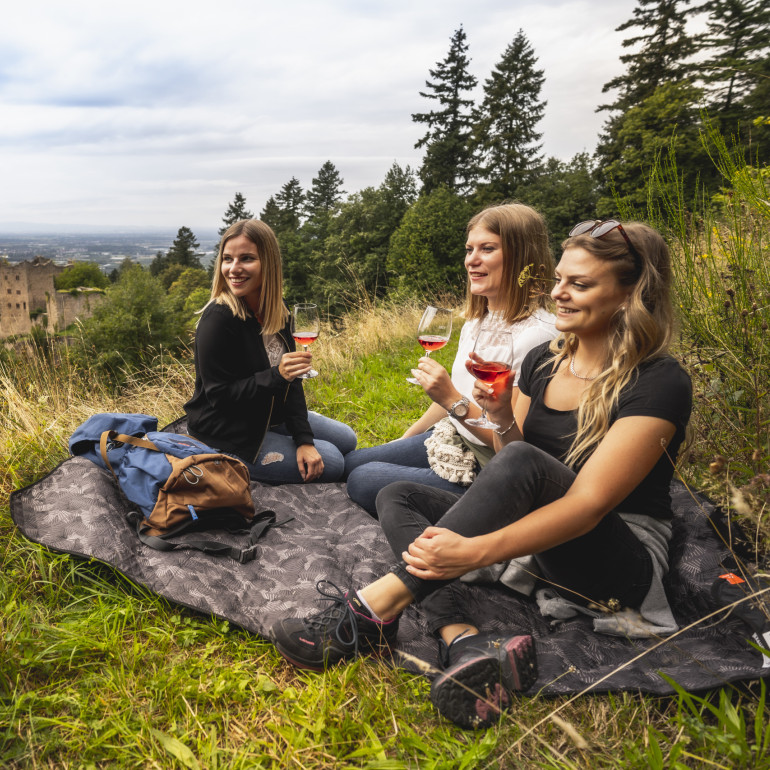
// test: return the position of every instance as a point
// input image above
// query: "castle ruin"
(28, 298)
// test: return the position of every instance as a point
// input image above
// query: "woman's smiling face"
(242, 269)
(587, 293)
(484, 263)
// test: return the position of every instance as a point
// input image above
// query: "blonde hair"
(527, 261)
(272, 311)
(641, 328)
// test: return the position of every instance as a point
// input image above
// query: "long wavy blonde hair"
(527, 261)
(640, 329)
(272, 311)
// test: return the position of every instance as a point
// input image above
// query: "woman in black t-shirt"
(579, 484)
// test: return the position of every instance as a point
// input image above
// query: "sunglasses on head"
(596, 228)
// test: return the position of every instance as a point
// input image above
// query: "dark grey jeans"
(607, 562)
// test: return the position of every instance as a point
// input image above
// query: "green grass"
(374, 395)
(96, 672)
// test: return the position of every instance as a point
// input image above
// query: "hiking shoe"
(480, 674)
(343, 630)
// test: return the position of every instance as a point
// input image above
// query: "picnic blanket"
(78, 509)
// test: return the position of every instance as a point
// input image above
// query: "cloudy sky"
(153, 113)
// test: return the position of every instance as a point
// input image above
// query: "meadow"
(95, 672)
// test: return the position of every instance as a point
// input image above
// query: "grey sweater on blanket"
(653, 618)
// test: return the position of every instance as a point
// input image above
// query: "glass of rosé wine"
(305, 326)
(494, 358)
(434, 331)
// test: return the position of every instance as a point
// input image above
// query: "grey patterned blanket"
(78, 509)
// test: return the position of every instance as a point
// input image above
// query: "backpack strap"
(123, 438)
(261, 523)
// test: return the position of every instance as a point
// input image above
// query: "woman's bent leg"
(519, 479)
(403, 451)
(365, 482)
(277, 461)
(333, 432)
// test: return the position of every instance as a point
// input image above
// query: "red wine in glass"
(433, 332)
(432, 342)
(493, 362)
(490, 371)
(305, 338)
(305, 327)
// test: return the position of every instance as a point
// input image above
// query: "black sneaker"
(480, 674)
(343, 630)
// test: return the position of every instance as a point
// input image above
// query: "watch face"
(461, 409)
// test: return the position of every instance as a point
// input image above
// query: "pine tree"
(184, 249)
(447, 141)
(506, 135)
(271, 213)
(290, 201)
(325, 191)
(283, 212)
(738, 34)
(236, 211)
(655, 101)
(662, 54)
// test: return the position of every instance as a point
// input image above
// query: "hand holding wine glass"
(491, 364)
(433, 332)
(305, 327)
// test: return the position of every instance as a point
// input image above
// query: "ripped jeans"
(277, 459)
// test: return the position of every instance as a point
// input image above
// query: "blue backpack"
(176, 482)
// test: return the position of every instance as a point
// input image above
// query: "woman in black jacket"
(248, 397)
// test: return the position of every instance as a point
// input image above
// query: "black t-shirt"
(661, 389)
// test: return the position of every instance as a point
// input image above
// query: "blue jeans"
(277, 459)
(607, 562)
(368, 470)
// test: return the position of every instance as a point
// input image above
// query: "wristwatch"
(459, 410)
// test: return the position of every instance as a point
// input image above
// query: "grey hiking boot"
(342, 631)
(480, 673)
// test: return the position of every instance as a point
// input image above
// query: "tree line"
(407, 234)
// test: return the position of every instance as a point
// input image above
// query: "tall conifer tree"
(283, 212)
(236, 211)
(325, 191)
(663, 48)
(738, 35)
(507, 141)
(655, 100)
(447, 151)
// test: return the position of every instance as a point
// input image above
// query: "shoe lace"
(339, 612)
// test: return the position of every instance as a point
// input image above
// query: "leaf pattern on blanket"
(78, 509)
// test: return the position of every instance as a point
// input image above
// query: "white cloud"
(155, 113)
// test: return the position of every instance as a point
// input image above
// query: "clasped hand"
(441, 554)
(294, 364)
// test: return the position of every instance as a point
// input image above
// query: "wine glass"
(494, 348)
(434, 331)
(305, 326)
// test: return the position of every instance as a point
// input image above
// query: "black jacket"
(238, 395)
